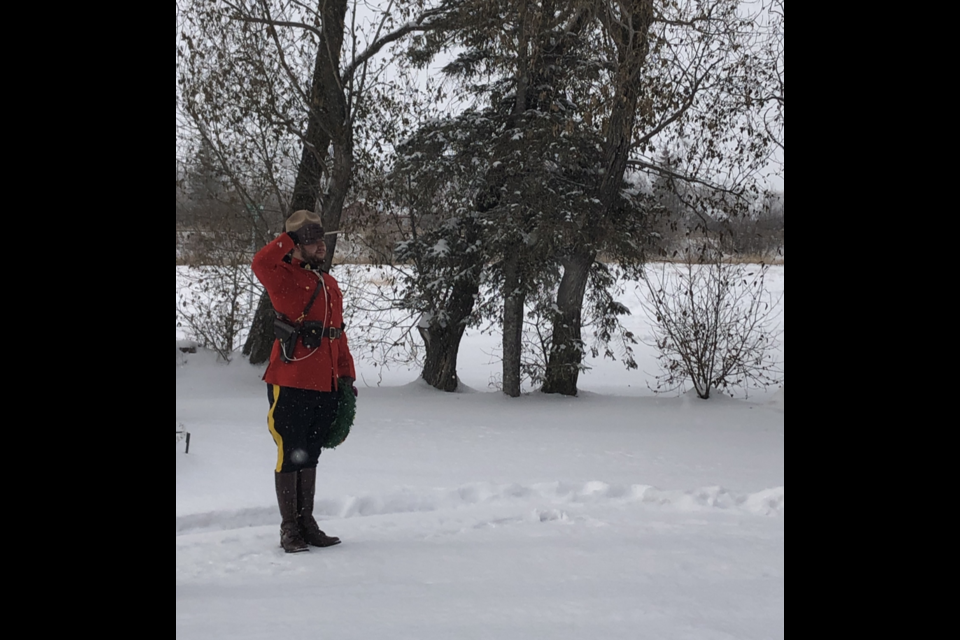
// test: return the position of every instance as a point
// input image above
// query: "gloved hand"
(307, 234)
(349, 381)
(310, 234)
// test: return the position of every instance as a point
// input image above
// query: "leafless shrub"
(215, 304)
(382, 332)
(714, 324)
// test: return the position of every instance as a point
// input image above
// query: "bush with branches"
(216, 302)
(715, 325)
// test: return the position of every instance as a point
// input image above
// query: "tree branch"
(278, 23)
(283, 59)
(410, 27)
(679, 112)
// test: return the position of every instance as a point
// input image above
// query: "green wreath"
(346, 413)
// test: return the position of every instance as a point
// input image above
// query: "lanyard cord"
(296, 359)
(322, 284)
(326, 301)
(326, 310)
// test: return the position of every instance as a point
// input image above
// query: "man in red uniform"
(302, 385)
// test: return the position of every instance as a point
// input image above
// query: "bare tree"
(274, 80)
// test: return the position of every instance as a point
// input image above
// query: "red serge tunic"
(289, 283)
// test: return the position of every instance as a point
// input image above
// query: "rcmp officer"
(305, 373)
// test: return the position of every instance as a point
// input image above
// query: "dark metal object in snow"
(186, 435)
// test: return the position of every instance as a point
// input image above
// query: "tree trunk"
(442, 339)
(260, 341)
(443, 333)
(566, 349)
(631, 35)
(339, 185)
(327, 122)
(514, 296)
(514, 299)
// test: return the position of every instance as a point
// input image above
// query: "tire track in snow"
(768, 502)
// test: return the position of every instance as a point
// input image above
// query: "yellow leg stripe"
(273, 431)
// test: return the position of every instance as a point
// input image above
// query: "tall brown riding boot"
(309, 529)
(290, 538)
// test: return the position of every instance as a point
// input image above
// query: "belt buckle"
(335, 333)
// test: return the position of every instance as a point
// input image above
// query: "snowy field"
(616, 514)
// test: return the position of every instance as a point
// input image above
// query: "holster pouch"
(287, 333)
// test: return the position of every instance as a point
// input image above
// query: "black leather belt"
(332, 332)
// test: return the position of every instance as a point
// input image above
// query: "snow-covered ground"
(616, 514)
